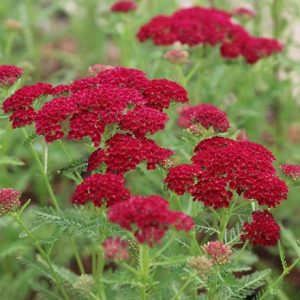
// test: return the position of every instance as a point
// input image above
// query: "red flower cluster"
(85, 107)
(115, 249)
(149, 217)
(263, 230)
(208, 26)
(123, 6)
(125, 152)
(292, 171)
(207, 115)
(9, 200)
(9, 75)
(221, 165)
(21, 103)
(101, 189)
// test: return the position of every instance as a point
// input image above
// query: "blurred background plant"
(56, 41)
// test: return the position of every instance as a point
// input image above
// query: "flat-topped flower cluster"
(208, 26)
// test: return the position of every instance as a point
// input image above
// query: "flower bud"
(202, 264)
(115, 249)
(9, 201)
(84, 282)
(13, 25)
(218, 251)
(177, 56)
(94, 70)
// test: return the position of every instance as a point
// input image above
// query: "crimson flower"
(148, 217)
(263, 230)
(292, 171)
(9, 75)
(101, 189)
(208, 26)
(123, 6)
(207, 115)
(221, 166)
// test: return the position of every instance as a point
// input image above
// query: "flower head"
(208, 26)
(101, 189)
(148, 217)
(263, 230)
(143, 120)
(123, 6)
(205, 114)
(9, 200)
(202, 264)
(9, 75)
(218, 251)
(221, 166)
(292, 171)
(115, 249)
(125, 152)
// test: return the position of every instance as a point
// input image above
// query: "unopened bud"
(177, 56)
(218, 251)
(94, 70)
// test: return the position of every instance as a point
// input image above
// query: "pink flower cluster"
(207, 115)
(148, 217)
(115, 249)
(123, 6)
(221, 166)
(208, 26)
(9, 75)
(9, 200)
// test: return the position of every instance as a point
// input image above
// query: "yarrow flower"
(122, 97)
(125, 152)
(221, 166)
(207, 115)
(9, 75)
(218, 252)
(101, 189)
(20, 104)
(148, 217)
(115, 249)
(208, 26)
(292, 171)
(9, 201)
(263, 230)
(123, 6)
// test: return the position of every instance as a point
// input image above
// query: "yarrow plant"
(168, 196)
(208, 26)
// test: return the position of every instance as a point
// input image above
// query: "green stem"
(166, 245)
(144, 262)
(279, 279)
(70, 159)
(44, 255)
(77, 256)
(44, 175)
(43, 171)
(186, 284)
